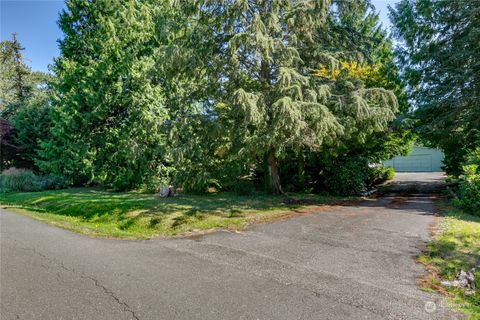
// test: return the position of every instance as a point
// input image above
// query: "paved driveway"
(342, 262)
(415, 183)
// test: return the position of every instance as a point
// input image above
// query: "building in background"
(421, 159)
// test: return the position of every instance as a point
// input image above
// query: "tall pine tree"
(438, 54)
(368, 57)
(23, 107)
(107, 114)
(17, 81)
(261, 61)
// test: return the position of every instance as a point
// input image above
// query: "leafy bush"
(378, 174)
(21, 180)
(196, 183)
(468, 186)
(348, 177)
(51, 181)
(389, 173)
(354, 176)
(375, 175)
(469, 190)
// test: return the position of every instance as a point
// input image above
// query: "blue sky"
(382, 7)
(35, 22)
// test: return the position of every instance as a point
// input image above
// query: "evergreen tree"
(354, 35)
(21, 72)
(23, 107)
(261, 64)
(107, 112)
(32, 123)
(17, 80)
(232, 83)
(7, 95)
(8, 150)
(356, 30)
(438, 55)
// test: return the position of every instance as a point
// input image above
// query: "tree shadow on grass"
(130, 210)
(127, 208)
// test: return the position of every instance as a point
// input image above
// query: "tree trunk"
(273, 176)
(301, 170)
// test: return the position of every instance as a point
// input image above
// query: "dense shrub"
(375, 175)
(354, 176)
(348, 177)
(469, 190)
(21, 180)
(32, 124)
(51, 181)
(389, 173)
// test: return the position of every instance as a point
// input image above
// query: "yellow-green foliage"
(370, 74)
(389, 173)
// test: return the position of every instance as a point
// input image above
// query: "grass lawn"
(134, 215)
(455, 246)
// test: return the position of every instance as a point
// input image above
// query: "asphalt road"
(342, 262)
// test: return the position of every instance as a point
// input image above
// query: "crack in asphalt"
(126, 307)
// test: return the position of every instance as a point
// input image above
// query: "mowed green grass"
(456, 246)
(134, 215)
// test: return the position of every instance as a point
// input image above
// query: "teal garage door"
(413, 163)
(421, 159)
